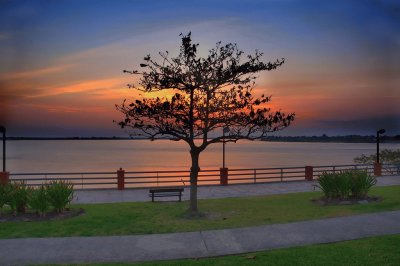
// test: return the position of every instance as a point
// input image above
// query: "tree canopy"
(386, 156)
(207, 94)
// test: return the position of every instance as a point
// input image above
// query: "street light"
(379, 132)
(3, 130)
(225, 130)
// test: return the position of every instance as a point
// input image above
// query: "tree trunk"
(194, 172)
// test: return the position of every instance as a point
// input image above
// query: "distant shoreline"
(319, 139)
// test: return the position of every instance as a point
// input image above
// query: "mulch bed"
(329, 202)
(33, 217)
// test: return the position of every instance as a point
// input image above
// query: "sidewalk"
(207, 192)
(195, 244)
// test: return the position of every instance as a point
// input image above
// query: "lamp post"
(378, 133)
(223, 172)
(225, 130)
(4, 176)
(3, 130)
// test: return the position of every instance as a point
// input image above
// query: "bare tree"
(209, 94)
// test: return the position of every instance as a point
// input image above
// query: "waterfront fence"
(140, 179)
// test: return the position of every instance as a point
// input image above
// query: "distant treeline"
(67, 138)
(323, 138)
(342, 139)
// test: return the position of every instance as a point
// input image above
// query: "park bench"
(165, 192)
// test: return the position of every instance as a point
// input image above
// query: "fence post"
(377, 169)
(121, 179)
(223, 174)
(309, 173)
(4, 177)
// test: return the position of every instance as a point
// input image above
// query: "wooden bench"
(165, 192)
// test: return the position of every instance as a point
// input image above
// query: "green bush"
(343, 184)
(39, 200)
(334, 185)
(60, 194)
(5, 190)
(346, 184)
(326, 183)
(18, 196)
(361, 183)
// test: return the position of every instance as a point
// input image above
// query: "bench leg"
(180, 197)
(152, 197)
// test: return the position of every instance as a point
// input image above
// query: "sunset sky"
(62, 61)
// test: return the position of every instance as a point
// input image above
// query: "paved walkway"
(195, 244)
(153, 247)
(205, 192)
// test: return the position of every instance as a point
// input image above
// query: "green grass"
(147, 217)
(383, 250)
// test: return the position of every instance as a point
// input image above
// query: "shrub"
(346, 184)
(361, 183)
(5, 190)
(39, 200)
(335, 185)
(343, 184)
(60, 194)
(18, 197)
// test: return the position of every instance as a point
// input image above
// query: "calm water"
(143, 155)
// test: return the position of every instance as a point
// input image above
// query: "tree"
(389, 158)
(386, 157)
(208, 94)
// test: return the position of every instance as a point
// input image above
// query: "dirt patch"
(33, 217)
(329, 202)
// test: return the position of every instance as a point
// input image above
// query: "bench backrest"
(160, 190)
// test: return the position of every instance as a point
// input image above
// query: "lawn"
(382, 250)
(147, 217)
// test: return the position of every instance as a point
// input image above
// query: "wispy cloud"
(34, 73)
(55, 108)
(96, 86)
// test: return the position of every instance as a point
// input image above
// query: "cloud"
(34, 73)
(86, 86)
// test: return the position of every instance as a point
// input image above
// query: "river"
(143, 155)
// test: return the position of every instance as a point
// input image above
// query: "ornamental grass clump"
(39, 200)
(60, 194)
(18, 197)
(361, 184)
(5, 191)
(333, 185)
(349, 184)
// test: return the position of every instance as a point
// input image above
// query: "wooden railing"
(134, 179)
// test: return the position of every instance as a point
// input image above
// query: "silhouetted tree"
(208, 94)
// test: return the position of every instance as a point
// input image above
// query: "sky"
(62, 62)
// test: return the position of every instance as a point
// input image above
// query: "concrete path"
(195, 244)
(205, 192)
